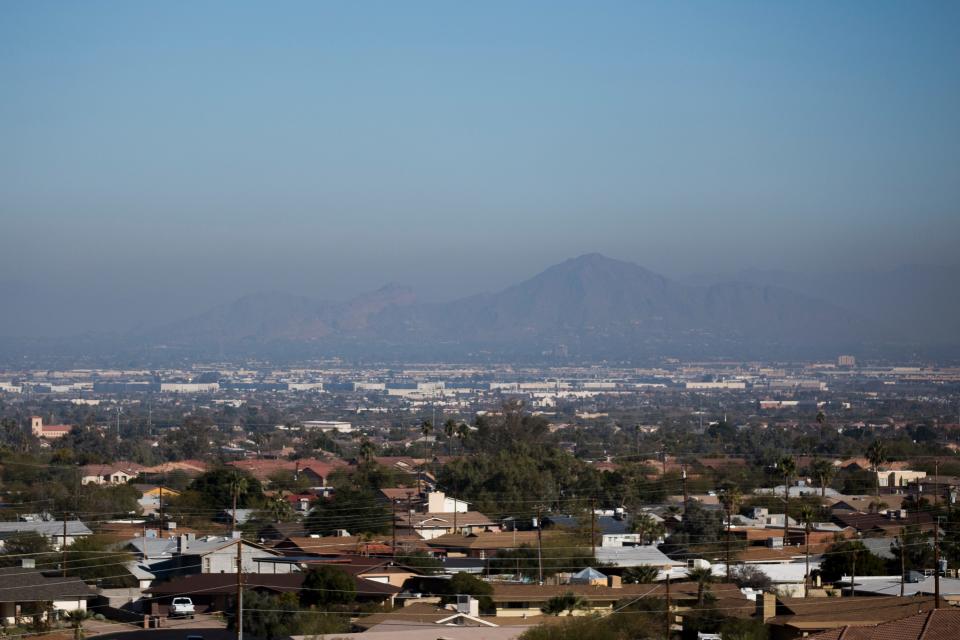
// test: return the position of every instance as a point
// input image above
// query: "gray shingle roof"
(19, 584)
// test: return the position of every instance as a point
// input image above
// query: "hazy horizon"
(159, 160)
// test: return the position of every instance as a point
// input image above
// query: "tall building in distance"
(846, 361)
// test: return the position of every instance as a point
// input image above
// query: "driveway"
(210, 627)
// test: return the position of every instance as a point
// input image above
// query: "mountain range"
(590, 306)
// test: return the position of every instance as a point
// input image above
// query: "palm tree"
(648, 527)
(566, 602)
(76, 618)
(807, 515)
(449, 430)
(824, 471)
(279, 508)
(463, 430)
(877, 455)
(366, 450)
(238, 484)
(730, 497)
(788, 469)
(702, 576)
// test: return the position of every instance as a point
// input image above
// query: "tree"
(367, 450)
(566, 602)
(914, 545)
(94, 558)
(877, 455)
(703, 576)
(76, 618)
(580, 628)
(326, 585)
(421, 561)
(648, 527)
(468, 585)
(644, 574)
(238, 484)
(788, 469)
(27, 544)
(749, 575)
(327, 516)
(217, 488)
(450, 430)
(824, 471)
(839, 559)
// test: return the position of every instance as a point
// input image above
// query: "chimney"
(766, 606)
(614, 582)
(436, 502)
(468, 605)
(183, 542)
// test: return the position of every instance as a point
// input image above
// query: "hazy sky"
(158, 158)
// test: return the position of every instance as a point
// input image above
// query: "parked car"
(181, 607)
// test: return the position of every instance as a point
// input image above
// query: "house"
(883, 524)
(56, 531)
(636, 556)
(23, 590)
(915, 584)
(433, 525)
(483, 545)
(215, 592)
(150, 496)
(186, 554)
(317, 471)
(424, 617)
(524, 600)
(611, 530)
(218, 554)
(383, 570)
(931, 624)
(789, 618)
(333, 545)
(48, 431)
(119, 473)
(281, 531)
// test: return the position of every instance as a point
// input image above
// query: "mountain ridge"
(591, 304)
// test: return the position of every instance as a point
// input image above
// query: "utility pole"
(161, 504)
(539, 545)
(240, 589)
(683, 476)
(853, 572)
(118, 424)
(936, 482)
(936, 563)
(63, 548)
(903, 559)
(666, 621)
(393, 527)
(593, 527)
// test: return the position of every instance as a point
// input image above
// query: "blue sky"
(163, 157)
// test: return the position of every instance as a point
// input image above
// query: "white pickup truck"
(181, 608)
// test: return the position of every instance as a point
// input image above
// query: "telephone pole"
(539, 545)
(666, 621)
(593, 527)
(936, 563)
(240, 589)
(683, 476)
(63, 548)
(393, 527)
